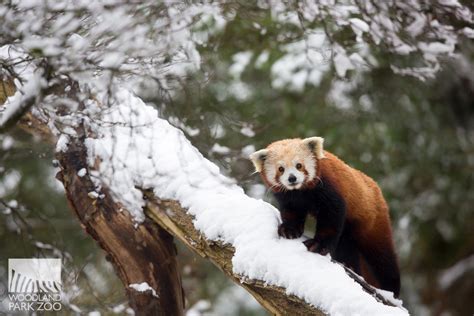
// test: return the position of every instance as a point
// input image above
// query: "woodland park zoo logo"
(34, 285)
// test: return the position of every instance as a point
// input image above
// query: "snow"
(8, 182)
(241, 61)
(19, 101)
(112, 60)
(359, 27)
(142, 150)
(247, 150)
(75, 308)
(219, 149)
(262, 59)
(417, 26)
(247, 131)
(240, 90)
(143, 287)
(449, 3)
(62, 143)
(359, 24)
(189, 130)
(338, 95)
(7, 142)
(13, 203)
(450, 275)
(93, 195)
(303, 63)
(435, 48)
(469, 32)
(257, 191)
(342, 63)
(199, 308)
(82, 172)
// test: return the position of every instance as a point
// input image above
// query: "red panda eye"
(281, 169)
(299, 166)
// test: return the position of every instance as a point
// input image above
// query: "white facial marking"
(292, 178)
(310, 165)
(270, 171)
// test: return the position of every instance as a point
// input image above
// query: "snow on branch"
(18, 104)
(416, 34)
(140, 150)
(96, 41)
(143, 287)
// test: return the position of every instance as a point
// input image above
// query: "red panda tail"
(375, 261)
(380, 257)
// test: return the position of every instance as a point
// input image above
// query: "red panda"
(352, 217)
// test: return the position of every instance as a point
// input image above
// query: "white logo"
(34, 284)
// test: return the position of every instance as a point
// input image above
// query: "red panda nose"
(292, 178)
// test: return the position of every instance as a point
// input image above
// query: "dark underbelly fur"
(333, 233)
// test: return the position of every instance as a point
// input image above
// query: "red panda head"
(289, 164)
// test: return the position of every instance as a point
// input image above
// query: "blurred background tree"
(270, 73)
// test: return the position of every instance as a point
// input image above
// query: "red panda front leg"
(329, 227)
(292, 224)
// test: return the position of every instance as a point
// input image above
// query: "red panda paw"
(290, 231)
(314, 246)
(311, 244)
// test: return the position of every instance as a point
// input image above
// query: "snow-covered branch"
(116, 38)
(417, 35)
(101, 45)
(22, 101)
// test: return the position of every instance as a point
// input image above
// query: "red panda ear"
(258, 159)
(315, 144)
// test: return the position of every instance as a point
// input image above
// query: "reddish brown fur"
(367, 210)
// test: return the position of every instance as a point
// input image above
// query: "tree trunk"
(142, 253)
